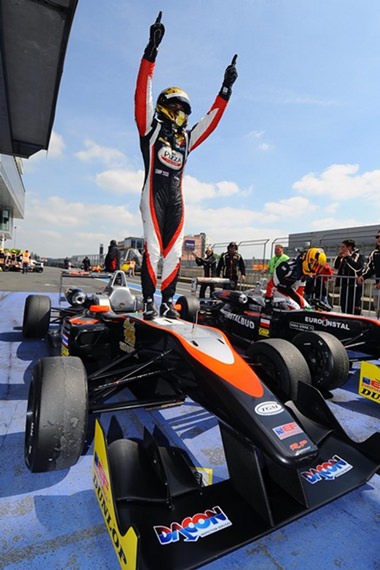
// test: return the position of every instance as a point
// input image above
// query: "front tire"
(326, 357)
(280, 365)
(57, 412)
(36, 318)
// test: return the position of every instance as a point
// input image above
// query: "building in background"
(12, 199)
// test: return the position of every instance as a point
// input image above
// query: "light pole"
(14, 237)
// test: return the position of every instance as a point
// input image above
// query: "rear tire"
(36, 316)
(280, 365)
(57, 412)
(326, 357)
(189, 308)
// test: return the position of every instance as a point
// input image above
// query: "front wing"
(159, 516)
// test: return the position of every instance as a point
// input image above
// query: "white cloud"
(107, 155)
(120, 181)
(293, 207)
(196, 191)
(341, 182)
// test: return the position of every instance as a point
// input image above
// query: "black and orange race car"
(286, 452)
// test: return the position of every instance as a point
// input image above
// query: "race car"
(286, 452)
(241, 315)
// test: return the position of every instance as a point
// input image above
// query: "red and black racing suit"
(289, 280)
(165, 149)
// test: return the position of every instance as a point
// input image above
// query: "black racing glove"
(157, 31)
(230, 76)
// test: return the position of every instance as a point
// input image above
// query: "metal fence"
(345, 295)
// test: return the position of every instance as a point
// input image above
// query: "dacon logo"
(329, 470)
(192, 528)
(270, 408)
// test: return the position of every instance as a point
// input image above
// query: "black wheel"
(326, 357)
(189, 308)
(56, 418)
(36, 316)
(280, 365)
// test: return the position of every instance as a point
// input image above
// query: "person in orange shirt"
(25, 261)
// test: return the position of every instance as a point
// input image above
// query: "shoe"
(167, 310)
(150, 311)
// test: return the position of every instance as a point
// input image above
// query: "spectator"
(230, 263)
(278, 257)
(112, 260)
(349, 265)
(132, 267)
(289, 276)
(66, 263)
(25, 259)
(372, 268)
(209, 268)
(165, 144)
(86, 263)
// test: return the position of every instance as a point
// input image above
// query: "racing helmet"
(164, 106)
(314, 257)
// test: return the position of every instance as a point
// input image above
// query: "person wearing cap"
(209, 267)
(165, 145)
(230, 264)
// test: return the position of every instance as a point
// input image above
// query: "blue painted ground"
(52, 520)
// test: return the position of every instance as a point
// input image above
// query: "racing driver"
(165, 144)
(289, 276)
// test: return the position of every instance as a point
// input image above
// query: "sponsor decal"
(327, 323)
(369, 383)
(265, 323)
(191, 528)
(287, 430)
(297, 445)
(263, 332)
(240, 319)
(125, 545)
(270, 408)
(170, 158)
(300, 326)
(129, 336)
(328, 471)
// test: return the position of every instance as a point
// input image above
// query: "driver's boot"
(150, 311)
(167, 310)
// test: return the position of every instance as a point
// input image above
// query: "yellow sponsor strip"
(369, 383)
(126, 545)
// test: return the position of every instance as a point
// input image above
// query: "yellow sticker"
(369, 383)
(125, 545)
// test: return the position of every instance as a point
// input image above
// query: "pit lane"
(53, 520)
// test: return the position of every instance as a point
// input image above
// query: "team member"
(165, 145)
(349, 265)
(112, 260)
(372, 268)
(209, 268)
(230, 263)
(289, 276)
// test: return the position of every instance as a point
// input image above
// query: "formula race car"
(286, 452)
(241, 315)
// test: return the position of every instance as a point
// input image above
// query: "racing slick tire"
(36, 318)
(189, 308)
(326, 357)
(57, 413)
(280, 365)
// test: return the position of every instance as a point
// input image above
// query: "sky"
(298, 148)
